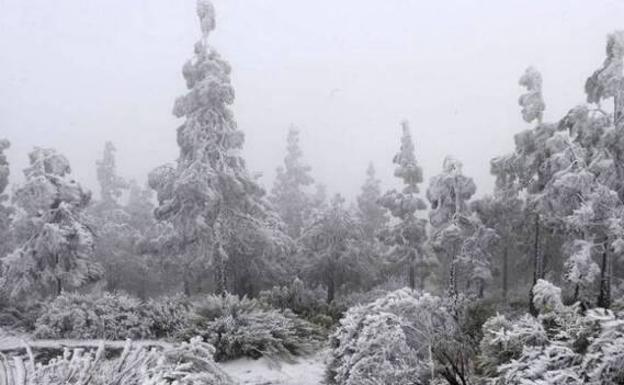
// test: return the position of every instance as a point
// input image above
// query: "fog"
(76, 73)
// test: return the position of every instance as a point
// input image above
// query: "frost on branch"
(532, 103)
(606, 82)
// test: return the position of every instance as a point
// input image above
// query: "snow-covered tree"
(330, 249)
(448, 193)
(407, 235)
(55, 245)
(111, 184)
(288, 194)
(6, 238)
(504, 213)
(208, 196)
(373, 217)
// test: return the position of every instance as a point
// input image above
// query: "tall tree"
(209, 196)
(371, 214)
(288, 194)
(330, 249)
(6, 239)
(112, 185)
(407, 236)
(448, 193)
(55, 245)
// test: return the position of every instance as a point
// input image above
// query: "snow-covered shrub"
(546, 297)
(303, 301)
(167, 316)
(504, 340)
(604, 361)
(561, 346)
(108, 316)
(245, 327)
(189, 363)
(547, 365)
(393, 340)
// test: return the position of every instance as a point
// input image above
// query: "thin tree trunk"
(505, 273)
(412, 272)
(220, 278)
(537, 274)
(186, 284)
(604, 297)
(331, 288)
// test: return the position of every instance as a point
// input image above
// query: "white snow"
(306, 371)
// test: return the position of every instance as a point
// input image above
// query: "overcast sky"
(75, 73)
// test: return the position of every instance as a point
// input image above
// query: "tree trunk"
(220, 274)
(505, 273)
(604, 297)
(537, 268)
(331, 288)
(412, 272)
(186, 284)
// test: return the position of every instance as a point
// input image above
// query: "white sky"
(74, 73)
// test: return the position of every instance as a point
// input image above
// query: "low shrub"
(112, 316)
(247, 327)
(189, 363)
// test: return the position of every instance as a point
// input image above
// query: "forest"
(201, 269)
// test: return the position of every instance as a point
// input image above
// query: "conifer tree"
(371, 214)
(209, 196)
(330, 249)
(111, 184)
(6, 238)
(448, 194)
(55, 244)
(408, 235)
(288, 194)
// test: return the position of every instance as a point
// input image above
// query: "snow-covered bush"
(396, 339)
(301, 300)
(504, 340)
(167, 316)
(189, 363)
(112, 316)
(108, 316)
(562, 345)
(245, 327)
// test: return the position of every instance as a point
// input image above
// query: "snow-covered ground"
(306, 371)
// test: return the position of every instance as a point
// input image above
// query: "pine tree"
(55, 244)
(288, 194)
(371, 214)
(209, 197)
(448, 194)
(6, 238)
(111, 184)
(408, 235)
(330, 249)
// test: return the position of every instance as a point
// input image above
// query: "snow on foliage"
(407, 235)
(112, 316)
(532, 103)
(56, 247)
(561, 346)
(217, 209)
(248, 328)
(188, 363)
(392, 340)
(288, 195)
(606, 82)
